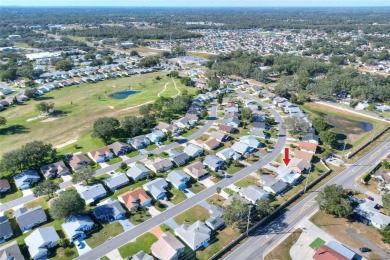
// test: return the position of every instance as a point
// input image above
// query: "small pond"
(123, 94)
(349, 126)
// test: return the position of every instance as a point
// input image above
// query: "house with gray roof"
(119, 148)
(91, 193)
(5, 229)
(242, 148)
(232, 121)
(179, 158)
(76, 226)
(139, 142)
(287, 175)
(178, 179)
(155, 136)
(228, 153)
(370, 215)
(40, 241)
(250, 140)
(54, 170)
(215, 220)
(253, 194)
(156, 188)
(213, 162)
(193, 151)
(29, 218)
(141, 255)
(11, 251)
(109, 210)
(168, 247)
(272, 185)
(116, 181)
(26, 179)
(196, 170)
(195, 236)
(235, 197)
(138, 172)
(158, 164)
(311, 138)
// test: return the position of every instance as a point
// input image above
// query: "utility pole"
(249, 217)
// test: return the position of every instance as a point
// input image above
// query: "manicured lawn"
(139, 217)
(229, 191)
(192, 215)
(247, 181)
(114, 160)
(21, 45)
(151, 147)
(81, 106)
(104, 258)
(233, 169)
(143, 242)
(282, 251)
(216, 200)
(103, 233)
(13, 194)
(195, 186)
(38, 202)
(190, 132)
(175, 196)
(317, 243)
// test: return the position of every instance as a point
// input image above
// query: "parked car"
(370, 198)
(365, 249)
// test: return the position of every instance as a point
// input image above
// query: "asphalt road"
(138, 230)
(256, 246)
(63, 185)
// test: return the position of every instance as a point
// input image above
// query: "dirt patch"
(111, 107)
(65, 144)
(50, 119)
(114, 86)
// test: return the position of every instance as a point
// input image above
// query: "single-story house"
(232, 121)
(158, 164)
(4, 186)
(29, 218)
(326, 253)
(272, 185)
(76, 226)
(116, 181)
(179, 158)
(303, 155)
(101, 155)
(195, 235)
(215, 220)
(211, 144)
(307, 146)
(168, 247)
(5, 229)
(368, 213)
(299, 165)
(138, 172)
(228, 153)
(78, 161)
(287, 175)
(135, 198)
(165, 128)
(40, 241)
(235, 197)
(253, 194)
(227, 129)
(141, 255)
(11, 251)
(91, 193)
(119, 148)
(193, 150)
(213, 162)
(343, 250)
(139, 142)
(25, 179)
(250, 140)
(155, 136)
(196, 170)
(108, 211)
(157, 188)
(184, 123)
(230, 115)
(178, 179)
(220, 137)
(242, 148)
(311, 138)
(53, 170)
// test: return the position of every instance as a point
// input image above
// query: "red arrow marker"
(286, 159)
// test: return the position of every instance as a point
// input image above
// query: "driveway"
(167, 203)
(27, 192)
(66, 177)
(83, 250)
(207, 182)
(114, 254)
(172, 223)
(104, 165)
(126, 224)
(124, 157)
(153, 211)
(188, 193)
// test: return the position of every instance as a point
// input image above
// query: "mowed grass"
(105, 231)
(247, 181)
(81, 106)
(317, 243)
(143, 242)
(192, 215)
(282, 251)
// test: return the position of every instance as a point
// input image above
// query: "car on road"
(365, 249)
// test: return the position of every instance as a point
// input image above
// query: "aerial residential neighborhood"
(146, 132)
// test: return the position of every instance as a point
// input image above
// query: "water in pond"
(348, 126)
(123, 94)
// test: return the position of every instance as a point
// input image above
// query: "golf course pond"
(124, 94)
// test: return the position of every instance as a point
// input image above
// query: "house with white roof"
(76, 226)
(253, 193)
(287, 175)
(91, 193)
(250, 140)
(116, 181)
(157, 188)
(193, 150)
(242, 148)
(40, 241)
(178, 179)
(369, 213)
(138, 172)
(228, 153)
(195, 236)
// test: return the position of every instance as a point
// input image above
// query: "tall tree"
(132, 125)
(47, 187)
(105, 128)
(334, 200)
(84, 174)
(328, 137)
(220, 98)
(263, 208)
(296, 124)
(320, 124)
(67, 203)
(45, 107)
(235, 213)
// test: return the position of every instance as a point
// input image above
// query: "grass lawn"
(13, 194)
(103, 233)
(341, 229)
(218, 241)
(143, 242)
(282, 251)
(114, 160)
(104, 258)
(21, 45)
(247, 181)
(151, 147)
(216, 200)
(195, 186)
(229, 191)
(139, 217)
(192, 215)
(81, 106)
(175, 196)
(233, 169)
(317, 243)
(38, 202)
(190, 132)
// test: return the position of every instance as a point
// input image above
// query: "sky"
(242, 3)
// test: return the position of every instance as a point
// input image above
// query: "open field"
(351, 128)
(81, 106)
(282, 251)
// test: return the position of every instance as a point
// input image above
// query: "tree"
(174, 74)
(31, 92)
(45, 107)
(67, 203)
(123, 166)
(263, 208)
(328, 137)
(213, 83)
(385, 164)
(145, 109)
(149, 121)
(105, 128)
(134, 53)
(203, 114)
(334, 200)
(246, 115)
(64, 65)
(3, 120)
(235, 213)
(132, 125)
(84, 174)
(386, 200)
(320, 124)
(220, 98)
(386, 234)
(270, 121)
(47, 187)
(169, 136)
(218, 190)
(371, 107)
(297, 124)
(186, 81)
